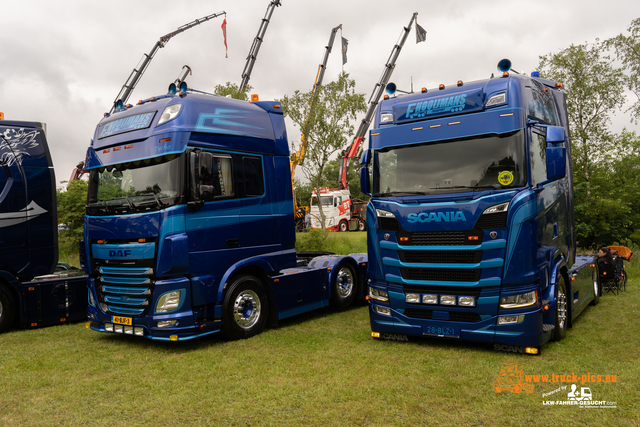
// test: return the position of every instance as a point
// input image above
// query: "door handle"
(233, 243)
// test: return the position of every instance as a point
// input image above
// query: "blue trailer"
(189, 226)
(29, 234)
(472, 233)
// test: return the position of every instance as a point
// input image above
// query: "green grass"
(318, 369)
(339, 243)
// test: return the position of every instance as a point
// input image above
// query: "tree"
(328, 126)
(71, 207)
(233, 90)
(628, 51)
(594, 89)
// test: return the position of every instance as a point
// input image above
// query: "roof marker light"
(424, 90)
(441, 87)
(255, 97)
(558, 85)
(460, 83)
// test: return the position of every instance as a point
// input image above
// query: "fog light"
(118, 328)
(128, 330)
(382, 310)
(375, 334)
(108, 327)
(412, 298)
(139, 332)
(507, 320)
(166, 323)
(467, 301)
(531, 350)
(430, 299)
(448, 300)
(378, 294)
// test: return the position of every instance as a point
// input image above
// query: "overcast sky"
(63, 62)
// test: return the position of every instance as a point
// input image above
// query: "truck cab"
(471, 227)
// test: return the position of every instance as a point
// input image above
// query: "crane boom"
(136, 74)
(297, 158)
(257, 42)
(352, 149)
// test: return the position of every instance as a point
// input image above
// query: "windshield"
(325, 200)
(138, 186)
(490, 162)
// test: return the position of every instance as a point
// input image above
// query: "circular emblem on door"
(386, 236)
(493, 234)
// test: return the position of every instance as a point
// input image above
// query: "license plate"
(441, 331)
(123, 320)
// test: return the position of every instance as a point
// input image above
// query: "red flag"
(224, 33)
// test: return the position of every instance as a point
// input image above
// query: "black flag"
(345, 45)
(421, 34)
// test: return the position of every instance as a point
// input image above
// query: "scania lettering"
(471, 229)
(189, 226)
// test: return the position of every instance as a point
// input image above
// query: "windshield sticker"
(505, 178)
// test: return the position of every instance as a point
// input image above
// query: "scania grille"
(125, 291)
(441, 274)
(494, 220)
(454, 316)
(440, 238)
(441, 257)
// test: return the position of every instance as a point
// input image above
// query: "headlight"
(169, 113)
(169, 302)
(467, 301)
(412, 298)
(430, 299)
(518, 301)
(378, 294)
(384, 214)
(502, 207)
(447, 300)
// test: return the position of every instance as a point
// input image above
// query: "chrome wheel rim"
(344, 282)
(246, 309)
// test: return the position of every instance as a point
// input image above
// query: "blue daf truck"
(189, 226)
(472, 233)
(29, 295)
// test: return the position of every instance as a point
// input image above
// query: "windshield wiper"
(160, 205)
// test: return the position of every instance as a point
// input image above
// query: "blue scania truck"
(472, 233)
(189, 226)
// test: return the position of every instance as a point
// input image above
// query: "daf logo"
(119, 252)
(450, 216)
(493, 234)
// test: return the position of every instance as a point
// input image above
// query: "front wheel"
(245, 309)
(561, 313)
(344, 286)
(7, 309)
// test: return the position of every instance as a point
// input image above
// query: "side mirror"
(556, 163)
(555, 135)
(365, 184)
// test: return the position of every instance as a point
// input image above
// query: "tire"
(245, 309)
(343, 226)
(362, 226)
(597, 291)
(623, 282)
(344, 286)
(7, 309)
(561, 312)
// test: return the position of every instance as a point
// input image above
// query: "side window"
(253, 178)
(538, 157)
(222, 176)
(215, 175)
